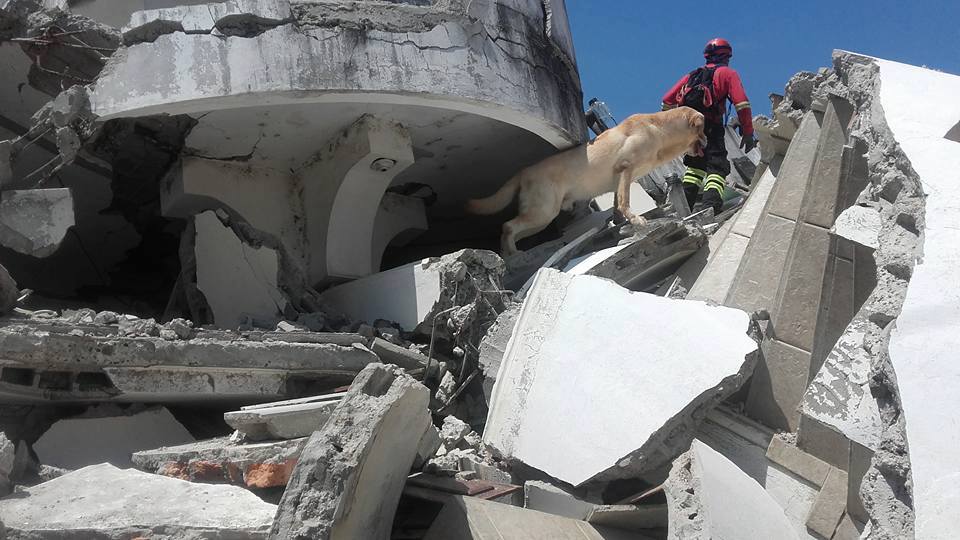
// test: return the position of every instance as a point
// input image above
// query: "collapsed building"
(240, 298)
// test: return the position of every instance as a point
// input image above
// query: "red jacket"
(726, 85)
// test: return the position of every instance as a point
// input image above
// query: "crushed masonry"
(239, 297)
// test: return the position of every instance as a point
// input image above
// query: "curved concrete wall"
(499, 59)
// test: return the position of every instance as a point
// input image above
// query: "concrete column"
(342, 190)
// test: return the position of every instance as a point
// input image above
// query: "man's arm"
(738, 97)
(670, 98)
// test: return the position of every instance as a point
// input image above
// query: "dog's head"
(695, 122)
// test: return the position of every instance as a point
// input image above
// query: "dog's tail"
(496, 202)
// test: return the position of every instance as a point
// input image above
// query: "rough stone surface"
(493, 346)
(709, 497)
(617, 419)
(119, 504)
(35, 221)
(214, 365)
(253, 465)
(8, 454)
(831, 502)
(73, 443)
(487, 56)
(350, 474)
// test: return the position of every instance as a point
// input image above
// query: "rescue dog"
(611, 162)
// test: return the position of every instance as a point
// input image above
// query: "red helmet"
(718, 49)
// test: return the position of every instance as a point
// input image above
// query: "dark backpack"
(697, 92)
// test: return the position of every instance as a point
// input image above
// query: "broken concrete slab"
(103, 501)
(618, 419)
(654, 252)
(628, 517)
(472, 518)
(283, 419)
(709, 497)
(350, 475)
(35, 221)
(412, 295)
(108, 436)
(221, 460)
(60, 360)
(545, 497)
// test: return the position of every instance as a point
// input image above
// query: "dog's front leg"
(621, 201)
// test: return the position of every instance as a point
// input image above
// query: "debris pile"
(276, 329)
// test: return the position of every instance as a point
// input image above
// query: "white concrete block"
(283, 420)
(620, 413)
(239, 281)
(102, 501)
(404, 295)
(73, 443)
(709, 497)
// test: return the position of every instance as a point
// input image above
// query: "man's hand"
(748, 143)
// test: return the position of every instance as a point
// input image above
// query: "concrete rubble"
(347, 482)
(112, 503)
(544, 389)
(249, 277)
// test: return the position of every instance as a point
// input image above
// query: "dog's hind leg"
(537, 210)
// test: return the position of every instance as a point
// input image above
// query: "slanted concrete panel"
(755, 285)
(718, 275)
(798, 305)
(821, 202)
(621, 413)
(792, 179)
(226, 265)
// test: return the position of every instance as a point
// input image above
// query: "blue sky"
(631, 51)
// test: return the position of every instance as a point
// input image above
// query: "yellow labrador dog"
(611, 162)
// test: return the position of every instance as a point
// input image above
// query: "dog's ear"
(695, 119)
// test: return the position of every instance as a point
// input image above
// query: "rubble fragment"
(118, 504)
(252, 465)
(35, 221)
(350, 474)
(283, 419)
(7, 461)
(104, 436)
(710, 497)
(544, 387)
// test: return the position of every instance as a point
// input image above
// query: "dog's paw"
(638, 221)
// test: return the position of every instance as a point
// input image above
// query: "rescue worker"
(707, 89)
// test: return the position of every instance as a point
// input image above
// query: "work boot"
(712, 198)
(691, 191)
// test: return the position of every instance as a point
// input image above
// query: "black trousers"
(714, 159)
